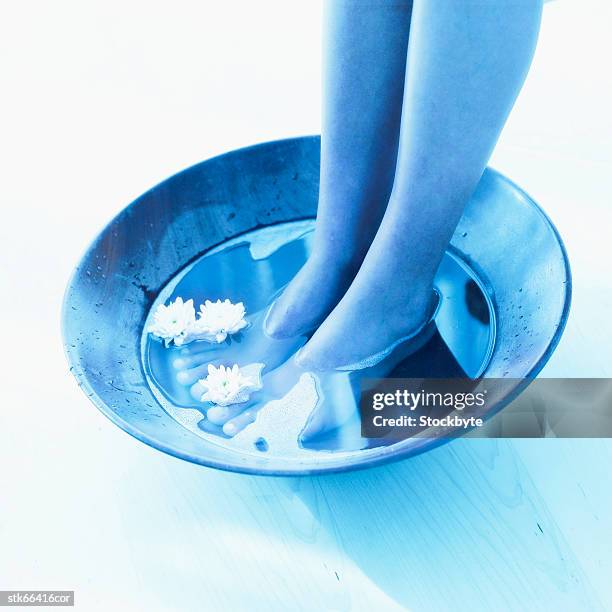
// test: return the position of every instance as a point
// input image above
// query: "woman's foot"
(310, 296)
(231, 419)
(349, 338)
(251, 345)
(335, 402)
(387, 301)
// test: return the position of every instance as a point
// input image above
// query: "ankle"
(414, 312)
(338, 261)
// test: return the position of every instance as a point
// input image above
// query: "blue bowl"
(503, 235)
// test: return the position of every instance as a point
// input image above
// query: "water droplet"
(261, 444)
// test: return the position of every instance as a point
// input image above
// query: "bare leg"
(467, 61)
(363, 83)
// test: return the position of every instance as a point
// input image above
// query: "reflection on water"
(254, 268)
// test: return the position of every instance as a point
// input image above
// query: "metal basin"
(503, 235)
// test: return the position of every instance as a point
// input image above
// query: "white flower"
(173, 322)
(224, 386)
(218, 319)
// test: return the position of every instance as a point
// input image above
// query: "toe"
(208, 427)
(237, 424)
(190, 376)
(188, 361)
(219, 415)
(197, 390)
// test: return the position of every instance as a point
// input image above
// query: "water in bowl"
(253, 269)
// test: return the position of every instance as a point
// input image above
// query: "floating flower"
(173, 322)
(224, 386)
(218, 320)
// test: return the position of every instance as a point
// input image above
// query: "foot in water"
(252, 344)
(337, 390)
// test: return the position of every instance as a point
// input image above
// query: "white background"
(101, 100)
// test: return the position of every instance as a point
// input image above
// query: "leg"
(466, 64)
(364, 66)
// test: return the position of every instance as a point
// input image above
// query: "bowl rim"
(383, 458)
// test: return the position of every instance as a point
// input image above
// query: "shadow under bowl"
(503, 236)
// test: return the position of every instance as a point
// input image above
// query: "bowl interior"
(503, 236)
